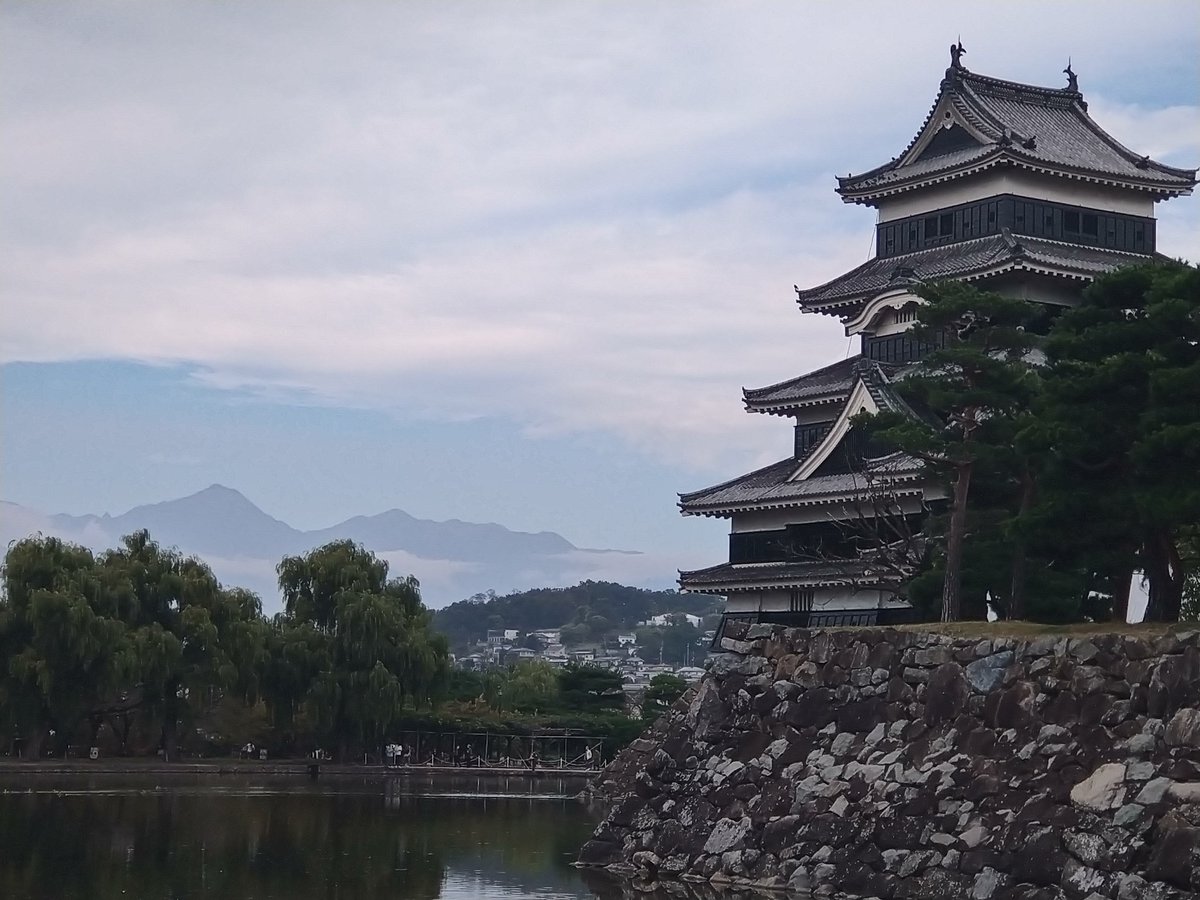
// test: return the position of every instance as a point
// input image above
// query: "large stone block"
(1175, 854)
(1184, 728)
(1103, 790)
(986, 674)
(727, 835)
(1175, 684)
(946, 693)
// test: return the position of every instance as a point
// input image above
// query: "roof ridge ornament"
(1015, 247)
(1072, 78)
(956, 53)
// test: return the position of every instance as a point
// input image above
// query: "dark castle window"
(809, 435)
(802, 600)
(808, 542)
(897, 348)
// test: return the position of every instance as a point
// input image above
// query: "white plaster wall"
(1014, 181)
(814, 415)
(824, 600)
(1037, 288)
(886, 324)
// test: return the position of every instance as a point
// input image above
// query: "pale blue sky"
(505, 262)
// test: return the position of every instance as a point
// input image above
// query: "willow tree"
(192, 641)
(63, 653)
(379, 649)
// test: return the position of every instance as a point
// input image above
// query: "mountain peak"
(214, 497)
(220, 489)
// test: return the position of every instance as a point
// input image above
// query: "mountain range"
(452, 559)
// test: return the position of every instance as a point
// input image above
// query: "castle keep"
(1010, 186)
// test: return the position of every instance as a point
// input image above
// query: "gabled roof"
(978, 122)
(845, 295)
(830, 384)
(772, 487)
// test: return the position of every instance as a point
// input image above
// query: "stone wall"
(885, 763)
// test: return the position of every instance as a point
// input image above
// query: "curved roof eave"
(724, 510)
(868, 196)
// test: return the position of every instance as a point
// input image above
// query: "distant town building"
(668, 618)
(1011, 186)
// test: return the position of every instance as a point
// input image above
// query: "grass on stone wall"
(1021, 629)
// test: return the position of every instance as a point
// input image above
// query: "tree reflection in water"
(218, 841)
(232, 839)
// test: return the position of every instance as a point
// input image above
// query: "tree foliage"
(144, 636)
(590, 689)
(533, 686)
(1064, 472)
(965, 396)
(374, 639)
(1124, 423)
(664, 690)
(678, 642)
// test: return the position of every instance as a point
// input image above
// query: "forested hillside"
(599, 606)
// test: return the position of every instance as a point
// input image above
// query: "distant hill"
(452, 559)
(621, 607)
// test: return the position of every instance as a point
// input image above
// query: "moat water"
(230, 837)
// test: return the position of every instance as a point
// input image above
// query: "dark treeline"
(140, 649)
(1069, 446)
(591, 608)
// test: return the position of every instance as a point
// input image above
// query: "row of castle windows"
(1021, 215)
(899, 348)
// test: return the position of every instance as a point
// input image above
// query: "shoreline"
(281, 768)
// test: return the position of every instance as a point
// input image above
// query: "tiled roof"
(800, 573)
(878, 379)
(966, 260)
(833, 382)
(770, 487)
(1018, 124)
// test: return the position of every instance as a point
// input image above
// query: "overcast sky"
(499, 261)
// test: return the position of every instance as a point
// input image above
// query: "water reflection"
(339, 842)
(405, 839)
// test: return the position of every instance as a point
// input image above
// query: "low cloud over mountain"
(452, 559)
